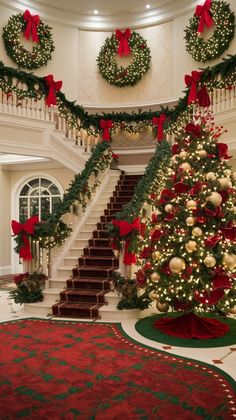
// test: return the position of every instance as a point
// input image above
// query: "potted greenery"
(29, 288)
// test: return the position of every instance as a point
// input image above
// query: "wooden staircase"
(91, 279)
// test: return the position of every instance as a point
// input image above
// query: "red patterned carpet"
(69, 370)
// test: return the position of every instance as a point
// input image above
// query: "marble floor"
(222, 357)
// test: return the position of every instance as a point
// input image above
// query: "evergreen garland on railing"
(76, 116)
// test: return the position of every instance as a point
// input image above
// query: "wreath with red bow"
(31, 27)
(214, 14)
(124, 44)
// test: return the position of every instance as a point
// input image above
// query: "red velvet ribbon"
(53, 88)
(192, 82)
(106, 125)
(129, 257)
(125, 228)
(123, 38)
(205, 17)
(159, 121)
(32, 22)
(25, 229)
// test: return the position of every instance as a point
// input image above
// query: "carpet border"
(226, 376)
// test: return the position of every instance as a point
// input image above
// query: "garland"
(219, 14)
(218, 76)
(124, 44)
(42, 51)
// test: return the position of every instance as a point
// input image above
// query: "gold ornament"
(215, 198)
(153, 295)
(225, 183)
(162, 307)
(197, 231)
(234, 209)
(173, 159)
(210, 176)
(234, 175)
(210, 261)
(155, 276)
(229, 260)
(191, 246)
(176, 265)
(116, 253)
(191, 204)
(227, 172)
(185, 166)
(183, 155)
(169, 208)
(156, 255)
(202, 153)
(232, 310)
(190, 221)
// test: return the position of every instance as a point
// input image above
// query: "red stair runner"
(90, 281)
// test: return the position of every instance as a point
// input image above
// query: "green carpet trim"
(146, 328)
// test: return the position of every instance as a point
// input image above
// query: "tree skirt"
(192, 326)
(69, 370)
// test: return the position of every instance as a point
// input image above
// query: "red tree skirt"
(192, 326)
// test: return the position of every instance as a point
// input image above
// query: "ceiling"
(111, 14)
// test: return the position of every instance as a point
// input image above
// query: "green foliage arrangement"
(42, 51)
(29, 288)
(128, 290)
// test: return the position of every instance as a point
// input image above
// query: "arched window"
(38, 196)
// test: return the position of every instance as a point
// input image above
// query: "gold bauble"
(191, 246)
(197, 231)
(234, 175)
(234, 209)
(176, 265)
(202, 153)
(215, 198)
(156, 255)
(227, 172)
(173, 159)
(153, 295)
(210, 176)
(162, 307)
(224, 183)
(210, 261)
(190, 221)
(169, 208)
(232, 310)
(229, 260)
(185, 166)
(155, 276)
(183, 155)
(191, 204)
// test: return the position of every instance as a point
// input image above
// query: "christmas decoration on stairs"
(189, 263)
(92, 278)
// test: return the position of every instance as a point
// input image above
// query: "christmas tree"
(189, 253)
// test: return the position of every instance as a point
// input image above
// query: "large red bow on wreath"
(123, 38)
(159, 121)
(53, 88)
(32, 22)
(205, 17)
(124, 229)
(25, 229)
(195, 94)
(106, 125)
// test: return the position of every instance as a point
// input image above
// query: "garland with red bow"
(23, 232)
(124, 43)
(33, 29)
(216, 13)
(53, 88)
(127, 232)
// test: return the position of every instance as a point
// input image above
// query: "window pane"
(34, 206)
(44, 192)
(45, 182)
(23, 210)
(54, 190)
(35, 192)
(45, 207)
(55, 201)
(34, 183)
(25, 190)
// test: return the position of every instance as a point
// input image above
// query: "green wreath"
(42, 51)
(224, 25)
(124, 76)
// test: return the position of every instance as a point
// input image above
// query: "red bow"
(129, 257)
(192, 82)
(125, 228)
(53, 88)
(204, 13)
(25, 229)
(106, 125)
(31, 26)
(159, 121)
(123, 38)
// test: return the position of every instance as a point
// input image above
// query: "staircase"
(86, 291)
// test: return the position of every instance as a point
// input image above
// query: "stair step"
(105, 272)
(89, 283)
(76, 310)
(94, 251)
(99, 242)
(100, 234)
(84, 296)
(98, 262)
